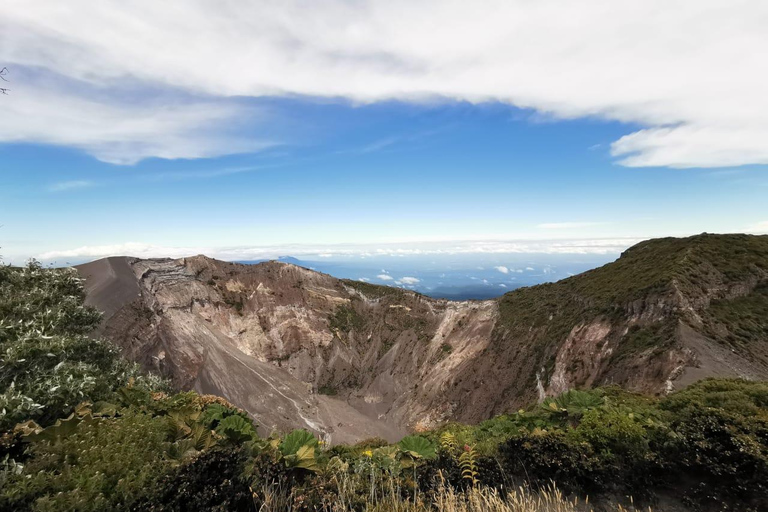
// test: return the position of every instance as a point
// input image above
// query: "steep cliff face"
(352, 360)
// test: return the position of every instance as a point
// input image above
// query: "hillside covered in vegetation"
(666, 313)
(84, 430)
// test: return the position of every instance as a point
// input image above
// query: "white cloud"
(139, 250)
(694, 78)
(502, 285)
(64, 186)
(145, 250)
(568, 225)
(384, 277)
(530, 269)
(502, 269)
(409, 280)
(365, 279)
(758, 227)
(122, 131)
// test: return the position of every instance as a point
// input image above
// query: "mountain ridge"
(349, 359)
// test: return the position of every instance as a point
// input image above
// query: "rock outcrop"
(350, 360)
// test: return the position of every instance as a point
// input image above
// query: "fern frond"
(468, 465)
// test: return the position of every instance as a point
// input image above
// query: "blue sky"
(338, 143)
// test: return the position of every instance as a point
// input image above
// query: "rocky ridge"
(350, 360)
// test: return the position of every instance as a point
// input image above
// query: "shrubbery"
(211, 481)
(83, 430)
(47, 363)
(708, 442)
(101, 465)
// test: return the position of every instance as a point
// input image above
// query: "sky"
(341, 129)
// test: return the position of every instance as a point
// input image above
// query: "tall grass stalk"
(444, 499)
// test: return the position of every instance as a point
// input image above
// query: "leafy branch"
(3, 73)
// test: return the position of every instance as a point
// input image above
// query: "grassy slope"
(645, 269)
(655, 269)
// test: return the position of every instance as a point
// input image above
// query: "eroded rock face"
(296, 348)
(291, 346)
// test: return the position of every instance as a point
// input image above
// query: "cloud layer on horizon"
(143, 250)
(96, 76)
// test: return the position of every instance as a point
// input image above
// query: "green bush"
(104, 464)
(553, 455)
(210, 482)
(47, 364)
(731, 395)
(722, 440)
(725, 454)
(613, 433)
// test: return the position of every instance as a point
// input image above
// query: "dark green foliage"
(277, 473)
(215, 413)
(553, 456)
(587, 442)
(47, 364)
(418, 447)
(709, 442)
(725, 453)
(741, 321)
(653, 339)
(236, 429)
(722, 439)
(346, 319)
(212, 481)
(374, 291)
(731, 395)
(103, 464)
(327, 390)
(570, 406)
(656, 269)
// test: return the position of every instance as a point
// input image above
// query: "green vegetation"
(544, 315)
(346, 319)
(97, 466)
(328, 390)
(654, 339)
(709, 442)
(740, 321)
(375, 291)
(654, 266)
(81, 430)
(47, 363)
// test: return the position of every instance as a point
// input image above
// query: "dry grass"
(447, 499)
